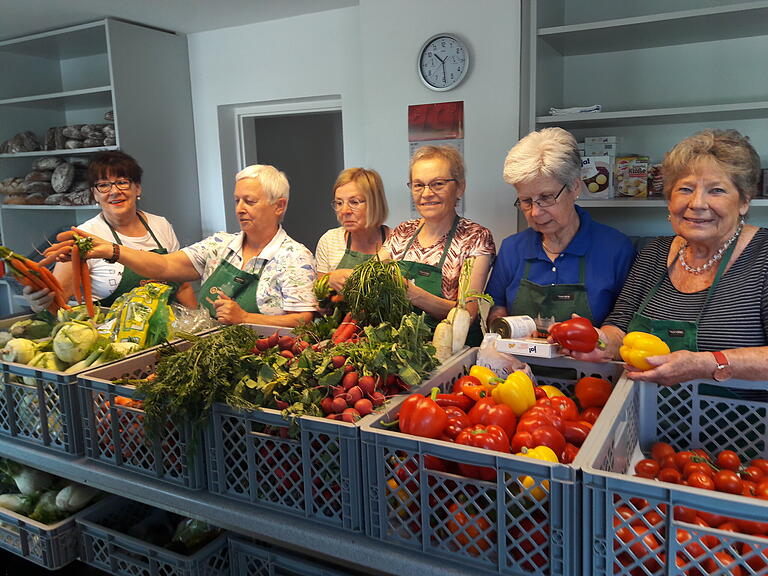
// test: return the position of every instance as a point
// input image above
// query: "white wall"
(367, 54)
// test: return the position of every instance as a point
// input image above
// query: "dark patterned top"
(470, 239)
(737, 313)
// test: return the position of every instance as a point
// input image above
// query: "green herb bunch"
(376, 292)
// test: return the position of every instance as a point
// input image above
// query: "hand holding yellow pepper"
(637, 346)
(546, 454)
(516, 392)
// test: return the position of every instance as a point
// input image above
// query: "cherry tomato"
(751, 526)
(565, 406)
(684, 514)
(590, 414)
(722, 563)
(753, 474)
(692, 467)
(682, 458)
(653, 518)
(728, 460)
(748, 488)
(640, 543)
(647, 468)
(701, 453)
(701, 480)
(709, 519)
(669, 462)
(761, 491)
(671, 475)
(692, 546)
(756, 558)
(761, 463)
(592, 392)
(661, 450)
(728, 481)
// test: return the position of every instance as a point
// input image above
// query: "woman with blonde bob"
(564, 263)
(704, 290)
(361, 208)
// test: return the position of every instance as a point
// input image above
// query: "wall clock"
(443, 62)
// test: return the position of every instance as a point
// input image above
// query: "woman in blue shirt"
(565, 263)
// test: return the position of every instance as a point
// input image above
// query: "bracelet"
(115, 254)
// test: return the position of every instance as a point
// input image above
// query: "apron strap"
(383, 238)
(143, 222)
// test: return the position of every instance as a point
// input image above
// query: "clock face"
(443, 62)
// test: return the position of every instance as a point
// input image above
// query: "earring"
(669, 217)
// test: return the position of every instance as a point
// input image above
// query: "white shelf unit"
(661, 70)
(75, 75)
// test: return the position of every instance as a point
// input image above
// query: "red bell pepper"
(567, 407)
(487, 411)
(421, 416)
(459, 400)
(576, 431)
(457, 421)
(489, 437)
(576, 334)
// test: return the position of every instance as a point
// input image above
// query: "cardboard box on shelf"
(631, 176)
(597, 175)
(537, 347)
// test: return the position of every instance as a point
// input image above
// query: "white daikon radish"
(442, 340)
(459, 316)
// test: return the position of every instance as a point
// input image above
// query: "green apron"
(430, 278)
(678, 334)
(352, 258)
(131, 279)
(239, 285)
(548, 304)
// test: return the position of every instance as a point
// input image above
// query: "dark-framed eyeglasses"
(105, 187)
(353, 203)
(437, 185)
(543, 201)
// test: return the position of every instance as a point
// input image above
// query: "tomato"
(682, 458)
(751, 526)
(625, 512)
(692, 546)
(590, 414)
(643, 545)
(569, 454)
(701, 480)
(709, 519)
(728, 481)
(761, 463)
(458, 386)
(728, 460)
(647, 468)
(702, 454)
(549, 436)
(576, 431)
(722, 563)
(592, 392)
(565, 406)
(531, 535)
(748, 488)
(757, 559)
(669, 462)
(653, 518)
(661, 450)
(671, 475)
(762, 490)
(692, 467)
(684, 514)
(753, 474)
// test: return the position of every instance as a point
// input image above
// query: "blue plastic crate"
(618, 537)
(509, 529)
(251, 559)
(106, 544)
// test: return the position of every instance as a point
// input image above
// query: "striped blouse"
(737, 313)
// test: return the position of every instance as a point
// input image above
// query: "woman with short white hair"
(257, 276)
(564, 263)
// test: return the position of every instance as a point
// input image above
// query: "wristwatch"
(724, 370)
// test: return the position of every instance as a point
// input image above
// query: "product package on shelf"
(597, 175)
(642, 524)
(631, 176)
(499, 513)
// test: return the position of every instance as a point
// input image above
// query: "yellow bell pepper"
(516, 392)
(637, 346)
(551, 391)
(485, 375)
(546, 454)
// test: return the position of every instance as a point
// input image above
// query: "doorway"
(308, 147)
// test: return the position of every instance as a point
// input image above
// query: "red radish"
(377, 398)
(355, 393)
(364, 406)
(337, 391)
(338, 361)
(367, 385)
(350, 415)
(327, 404)
(273, 339)
(281, 404)
(299, 346)
(348, 368)
(262, 344)
(339, 404)
(286, 342)
(286, 354)
(349, 380)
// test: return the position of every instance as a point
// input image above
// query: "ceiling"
(22, 17)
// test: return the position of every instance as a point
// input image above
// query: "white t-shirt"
(105, 276)
(330, 250)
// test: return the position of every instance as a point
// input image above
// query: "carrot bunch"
(81, 276)
(346, 330)
(29, 273)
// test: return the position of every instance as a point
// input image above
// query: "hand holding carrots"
(61, 251)
(38, 279)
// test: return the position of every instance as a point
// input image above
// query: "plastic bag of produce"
(142, 315)
(501, 364)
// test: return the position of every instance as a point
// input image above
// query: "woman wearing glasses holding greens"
(361, 208)
(431, 249)
(564, 263)
(115, 179)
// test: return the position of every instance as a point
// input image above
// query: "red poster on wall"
(440, 121)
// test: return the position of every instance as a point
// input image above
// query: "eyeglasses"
(353, 203)
(436, 185)
(543, 201)
(105, 187)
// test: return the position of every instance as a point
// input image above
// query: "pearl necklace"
(712, 261)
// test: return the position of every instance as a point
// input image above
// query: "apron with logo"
(239, 285)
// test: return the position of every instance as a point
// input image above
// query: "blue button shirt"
(608, 256)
